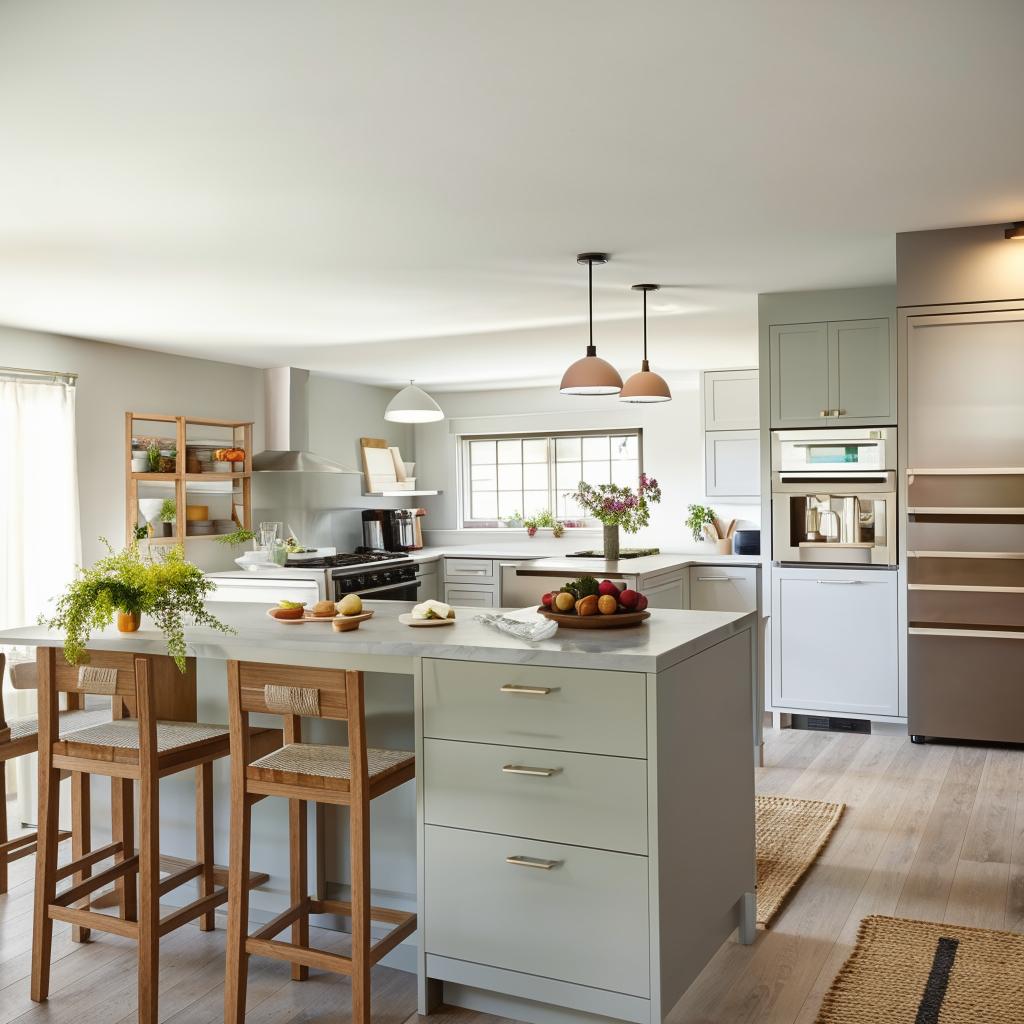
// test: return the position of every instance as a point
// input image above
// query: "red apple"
(628, 599)
(547, 599)
(641, 603)
(607, 587)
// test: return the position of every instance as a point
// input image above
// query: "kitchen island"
(600, 881)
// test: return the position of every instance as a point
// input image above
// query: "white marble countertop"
(643, 566)
(384, 643)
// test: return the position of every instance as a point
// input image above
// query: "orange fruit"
(564, 601)
(607, 605)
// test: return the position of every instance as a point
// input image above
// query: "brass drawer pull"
(533, 862)
(525, 769)
(540, 691)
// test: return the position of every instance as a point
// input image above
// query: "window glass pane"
(567, 449)
(510, 451)
(534, 502)
(626, 474)
(509, 502)
(596, 472)
(510, 477)
(535, 477)
(595, 448)
(481, 452)
(483, 476)
(625, 447)
(567, 508)
(568, 476)
(485, 506)
(535, 449)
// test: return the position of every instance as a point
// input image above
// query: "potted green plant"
(514, 521)
(153, 457)
(544, 521)
(168, 515)
(127, 585)
(697, 517)
(618, 507)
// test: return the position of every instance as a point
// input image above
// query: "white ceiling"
(399, 189)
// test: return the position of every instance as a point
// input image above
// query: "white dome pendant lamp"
(645, 386)
(591, 375)
(413, 405)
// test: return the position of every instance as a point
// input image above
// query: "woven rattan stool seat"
(324, 761)
(68, 722)
(124, 734)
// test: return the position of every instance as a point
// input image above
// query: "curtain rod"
(17, 373)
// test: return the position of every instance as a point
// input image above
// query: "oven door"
(835, 522)
(400, 590)
(833, 453)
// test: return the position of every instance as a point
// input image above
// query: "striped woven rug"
(917, 972)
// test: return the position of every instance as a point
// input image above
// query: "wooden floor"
(933, 832)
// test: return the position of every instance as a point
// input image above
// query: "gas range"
(355, 560)
(376, 575)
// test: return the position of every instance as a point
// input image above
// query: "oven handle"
(404, 585)
(853, 476)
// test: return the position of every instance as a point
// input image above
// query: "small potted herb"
(124, 583)
(514, 521)
(153, 458)
(544, 521)
(697, 518)
(168, 515)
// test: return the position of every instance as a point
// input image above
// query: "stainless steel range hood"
(286, 410)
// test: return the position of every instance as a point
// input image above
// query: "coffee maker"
(393, 529)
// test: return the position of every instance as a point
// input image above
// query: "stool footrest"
(87, 860)
(383, 946)
(189, 912)
(94, 882)
(343, 908)
(285, 918)
(186, 874)
(98, 922)
(274, 949)
(22, 846)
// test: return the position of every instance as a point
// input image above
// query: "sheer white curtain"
(40, 533)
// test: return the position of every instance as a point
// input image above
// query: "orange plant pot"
(128, 622)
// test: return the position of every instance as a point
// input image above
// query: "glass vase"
(611, 542)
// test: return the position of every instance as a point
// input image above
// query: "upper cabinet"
(731, 435)
(837, 372)
(730, 400)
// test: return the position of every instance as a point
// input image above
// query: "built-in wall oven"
(834, 496)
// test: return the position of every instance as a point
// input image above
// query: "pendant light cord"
(590, 299)
(645, 326)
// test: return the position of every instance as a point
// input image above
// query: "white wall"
(114, 379)
(672, 436)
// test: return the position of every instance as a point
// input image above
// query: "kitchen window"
(504, 476)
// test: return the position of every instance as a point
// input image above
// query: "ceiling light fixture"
(1016, 232)
(413, 405)
(591, 375)
(645, 386)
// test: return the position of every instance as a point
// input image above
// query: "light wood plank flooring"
(935, 832)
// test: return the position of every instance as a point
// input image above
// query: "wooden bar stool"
(140, 750)
(304, 772)
(20, 736)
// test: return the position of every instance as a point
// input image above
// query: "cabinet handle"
(539, 691)
(826, 412)
(842, 583)
(718, 579)
(533, 862)
(525, 769)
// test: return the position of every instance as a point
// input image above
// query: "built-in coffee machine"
(393, 529)
(834, 496)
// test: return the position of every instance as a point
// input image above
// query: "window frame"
(551, 437)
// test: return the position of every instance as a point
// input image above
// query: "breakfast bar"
(582, 834)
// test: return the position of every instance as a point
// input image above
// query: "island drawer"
(469, 570)
(583, 799)
(587, 710)
(561, 912)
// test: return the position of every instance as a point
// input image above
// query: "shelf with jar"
(186, 478)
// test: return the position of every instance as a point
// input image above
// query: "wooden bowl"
(617, 621)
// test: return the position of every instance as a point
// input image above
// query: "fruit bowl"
(618, 620)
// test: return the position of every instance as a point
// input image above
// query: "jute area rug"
(917, 972)
(790, 835)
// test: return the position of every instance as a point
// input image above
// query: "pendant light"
(645, 386)
(413, 405)
(591, 375)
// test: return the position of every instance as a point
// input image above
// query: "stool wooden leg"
(359, 846)
(149, 899)
(204, 837)
(237, 974)
(320, 812)
(298, 855)
(81, 835)
(122, 817)
(3, 825)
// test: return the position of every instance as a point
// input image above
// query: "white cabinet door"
(732, 464)
(799, 374)
(834, 641)
(862, 363)
(665, 591)
(723, 588)
(470, 597)
(430, 585)
(731, 400)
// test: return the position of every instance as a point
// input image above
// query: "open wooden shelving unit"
(240, 495)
